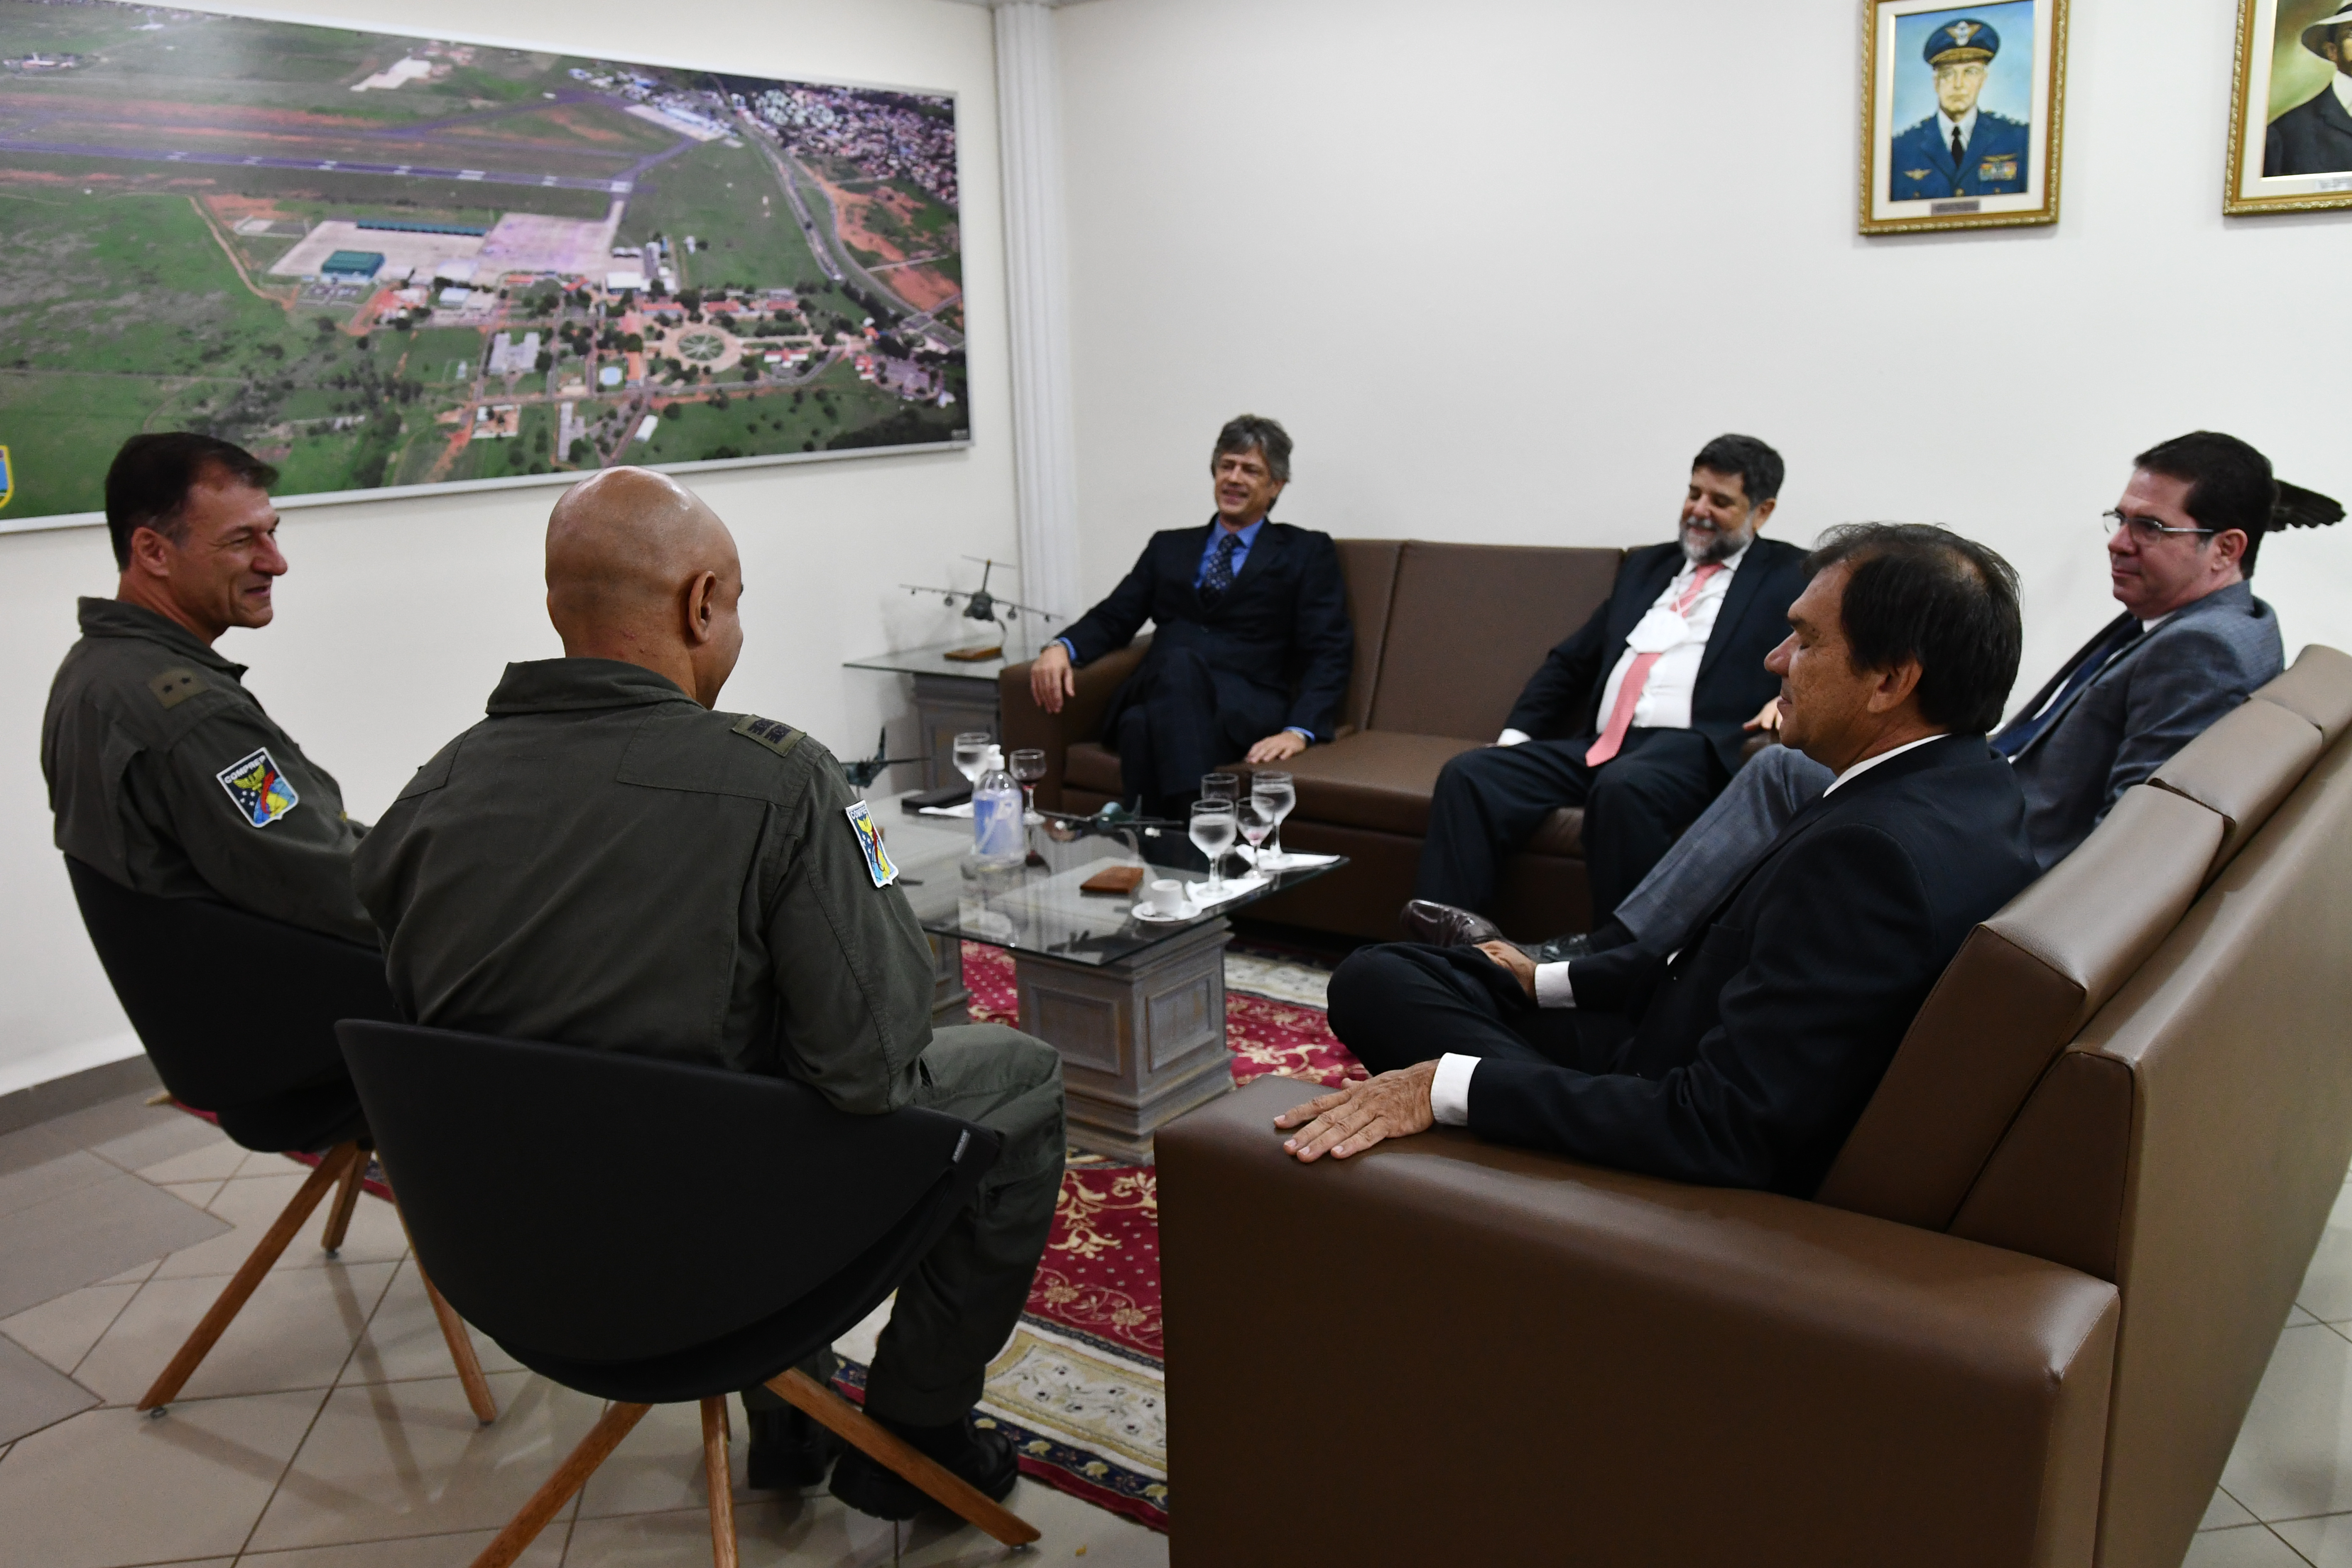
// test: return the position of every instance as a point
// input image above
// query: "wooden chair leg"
(721, 1484)
(453, 1334)
(248, 1277)
(347, 1198)
(461, 1351)
(569, 1477)
(943, 1486)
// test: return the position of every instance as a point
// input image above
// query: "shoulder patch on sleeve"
(869, 840)
(257, 788)
(176, 685)
(777, 737)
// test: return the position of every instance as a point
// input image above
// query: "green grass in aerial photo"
(713, 194)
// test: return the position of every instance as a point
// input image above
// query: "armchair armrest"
(1023, 723)
(1655, 1372)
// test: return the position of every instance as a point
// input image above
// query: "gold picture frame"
(2306, 121)
(2001, 68)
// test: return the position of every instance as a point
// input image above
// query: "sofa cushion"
(2319, 687)
(1088, 765)
(1375, 778)
(2022, 986)
(1470, 623)
(1369, 569)
(2242, 767)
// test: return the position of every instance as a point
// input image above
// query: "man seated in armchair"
(1744, 1057)
(1253, 649)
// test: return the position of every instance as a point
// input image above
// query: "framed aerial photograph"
(1962, 114)
(2291, 114)
(387, 262)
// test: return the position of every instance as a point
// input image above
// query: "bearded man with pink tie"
(1640, 717)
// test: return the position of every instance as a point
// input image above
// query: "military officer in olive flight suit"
(1960, 150)
(164, 772)
(604, 862)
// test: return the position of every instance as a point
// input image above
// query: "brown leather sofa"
(2020, 1324)
(1446, 635)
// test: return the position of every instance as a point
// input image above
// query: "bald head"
(638, 569)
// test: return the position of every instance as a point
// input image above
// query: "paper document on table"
(963, 811)
(1234, 888)
(1291, 861)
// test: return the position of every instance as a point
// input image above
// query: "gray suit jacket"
(2153, 698)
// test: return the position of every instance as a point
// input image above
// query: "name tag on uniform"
(869, 840)
(259, 790)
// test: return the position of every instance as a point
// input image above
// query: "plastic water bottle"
(998, 835)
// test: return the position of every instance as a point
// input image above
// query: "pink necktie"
(1629, 690)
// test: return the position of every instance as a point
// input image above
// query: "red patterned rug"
(1090, 1384)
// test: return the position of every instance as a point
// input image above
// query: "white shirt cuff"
(1512, 737)
(1552, 988)
(1449, 1091)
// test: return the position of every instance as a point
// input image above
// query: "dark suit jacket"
(1746, 1059)
(2312, 138)
(2156, 696)
(1562, 700)
(1278, 645)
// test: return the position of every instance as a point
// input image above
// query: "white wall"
(1501, 266)
(398, 616)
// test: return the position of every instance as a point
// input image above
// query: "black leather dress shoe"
(983, 1456)
(1442, 925)
(788, 1450)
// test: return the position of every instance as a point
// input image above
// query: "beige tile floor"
(326, 1429)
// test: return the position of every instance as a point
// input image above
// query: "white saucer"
(1158, 920)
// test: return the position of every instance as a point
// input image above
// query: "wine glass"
(1212, 834)
(1028, 767)
(972, 753)
(1220, 786)
(1278, 795)
(1255, 822)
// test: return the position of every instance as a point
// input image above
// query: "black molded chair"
(238, 1014)
(652, 1232)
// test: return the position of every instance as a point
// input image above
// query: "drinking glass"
(1212, 834)
(1220, 786)
(1278, 795)
(972, 753)
(1255, 822)
(1028, 767)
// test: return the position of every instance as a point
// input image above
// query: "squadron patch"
(778, 738)
(259, 790)
(176, 685)
(869, 840)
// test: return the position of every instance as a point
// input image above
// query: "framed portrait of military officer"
(2291, 115)
(1962, 110)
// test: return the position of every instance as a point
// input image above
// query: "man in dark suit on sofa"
(2315, 137)
(1639, 717)
(1744, 1059)
(1253, 646)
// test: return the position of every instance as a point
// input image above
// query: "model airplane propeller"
(980, 605)
(866, 770)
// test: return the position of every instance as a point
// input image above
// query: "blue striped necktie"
(1219, 575)
(2021, 734)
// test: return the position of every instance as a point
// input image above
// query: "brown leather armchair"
(2019, 1324)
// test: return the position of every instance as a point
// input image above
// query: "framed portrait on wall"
(1962, 113)
(2291, 114)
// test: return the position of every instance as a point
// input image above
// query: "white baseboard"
(63, 1060)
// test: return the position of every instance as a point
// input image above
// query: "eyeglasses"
(2144, 530)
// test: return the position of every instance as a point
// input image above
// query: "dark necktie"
(1219, 575)
(2021, 734)
(1959, 148)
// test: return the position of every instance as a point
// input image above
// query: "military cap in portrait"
(1955, 43)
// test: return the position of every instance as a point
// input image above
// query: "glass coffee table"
(1135, 1005)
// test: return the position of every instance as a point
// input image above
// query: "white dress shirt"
(1449, 1091)
(1968, 129)
(1665, 700)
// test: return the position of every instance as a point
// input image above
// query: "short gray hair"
(1255, 433)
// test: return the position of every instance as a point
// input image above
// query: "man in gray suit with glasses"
(2191, 644)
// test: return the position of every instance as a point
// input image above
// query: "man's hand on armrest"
(1393, 1105)
(1280, 746)
(1051, 679)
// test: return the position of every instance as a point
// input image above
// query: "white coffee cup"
(1164, 898)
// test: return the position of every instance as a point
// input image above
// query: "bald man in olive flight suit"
(606, 862)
